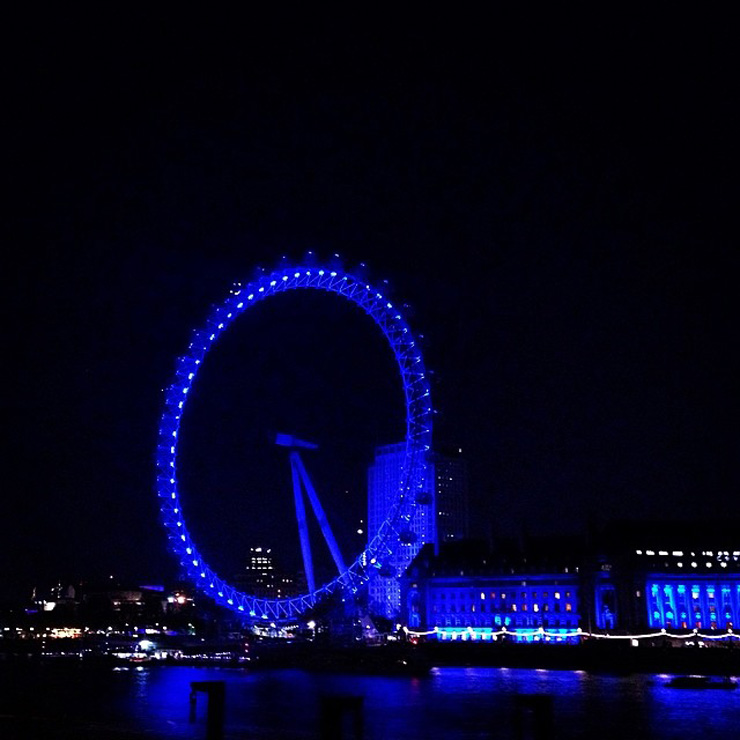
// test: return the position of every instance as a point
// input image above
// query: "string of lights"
(578, 632)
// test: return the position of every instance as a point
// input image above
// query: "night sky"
(553, 197)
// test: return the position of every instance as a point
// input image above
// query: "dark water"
(80, 702)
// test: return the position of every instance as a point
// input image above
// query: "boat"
(702, 682)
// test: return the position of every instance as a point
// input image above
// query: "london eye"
(395, 529)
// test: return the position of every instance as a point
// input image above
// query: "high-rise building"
(450, 471)
(261, 577)
(440, 515)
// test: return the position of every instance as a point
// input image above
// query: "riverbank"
(408, 659)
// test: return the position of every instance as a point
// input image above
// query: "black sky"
(552, 196)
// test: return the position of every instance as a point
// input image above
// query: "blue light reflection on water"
(450, 703)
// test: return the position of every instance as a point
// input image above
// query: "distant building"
(441, 514)
(450, 471)
(263, 578)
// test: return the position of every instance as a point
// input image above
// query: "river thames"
(77, 701)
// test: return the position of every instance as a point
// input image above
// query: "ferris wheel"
(411, 487)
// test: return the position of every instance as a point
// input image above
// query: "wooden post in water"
(334, 709)
(216, 693)
(533, 718)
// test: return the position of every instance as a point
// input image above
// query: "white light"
(297, 274)
(240, 305)
(273, 283)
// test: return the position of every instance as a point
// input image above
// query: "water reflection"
(449, 703)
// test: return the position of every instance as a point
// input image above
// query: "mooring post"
(193, 699)
(533, 718)
(334, 709)
(216, 693)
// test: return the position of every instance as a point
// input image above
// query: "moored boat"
(702, 682)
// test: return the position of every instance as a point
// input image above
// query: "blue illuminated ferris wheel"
(397, 526)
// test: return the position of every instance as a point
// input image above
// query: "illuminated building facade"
(466, 592)
(384, 592)
(673, 577)
(631, 580)
(441, 515)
